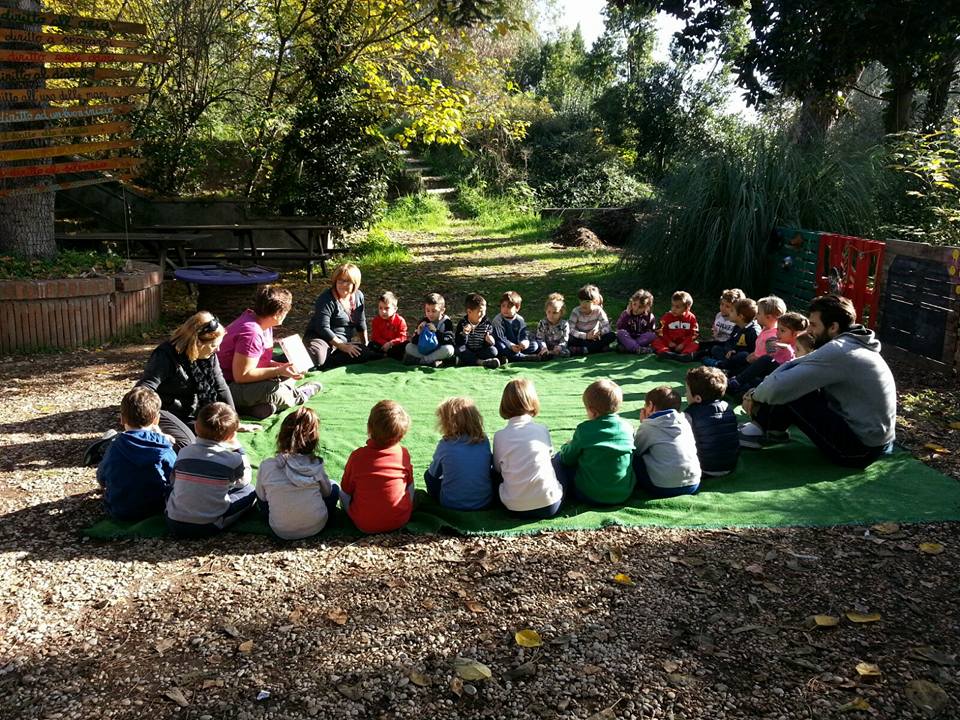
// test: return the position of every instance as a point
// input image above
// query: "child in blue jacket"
(511, 337)
(135, 472)
(459, 476)
(714, 424)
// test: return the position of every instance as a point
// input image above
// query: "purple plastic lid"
(226, 275)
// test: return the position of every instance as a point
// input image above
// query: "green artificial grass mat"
(789, 485)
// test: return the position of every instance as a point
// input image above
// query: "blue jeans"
(646, 486)
(507, 354)
(825, 428)
(475, 357)
(753, 374)
(589, 347)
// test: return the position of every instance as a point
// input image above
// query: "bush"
(712, 223)
(66, 264)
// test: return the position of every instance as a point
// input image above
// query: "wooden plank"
(28, 17)
(53, 187)
(54, 113)
(38, 57)
(26, 72)
(41, 38)
(61, 150)
(68, 167)
(94, 130)
(79, 93)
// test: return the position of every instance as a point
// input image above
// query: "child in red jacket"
(389, 329)
(678, 330)
(377, 486)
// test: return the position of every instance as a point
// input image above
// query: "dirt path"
(715, 626)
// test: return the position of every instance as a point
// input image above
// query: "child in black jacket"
(713, 421)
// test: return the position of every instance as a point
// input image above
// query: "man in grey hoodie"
(842, 396)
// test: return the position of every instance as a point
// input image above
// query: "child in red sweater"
(377, 486)
(389, 329)
(678, 330)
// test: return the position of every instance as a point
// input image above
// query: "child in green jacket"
(595, 466)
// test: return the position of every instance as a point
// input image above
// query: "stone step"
(441, 191)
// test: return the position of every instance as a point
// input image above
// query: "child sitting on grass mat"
(714, 424)
(553, 332)
(678, 333)
(476, 338)
(135, 472)
(665, 460)
(459, 476)
(293, 491)
(389, 329)
(511, 331)
(521, 456)
(595, 466)
(377, 485)
(211, 480)
(432, 341)
(637, 326)
(589, 325)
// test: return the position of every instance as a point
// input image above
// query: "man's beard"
(820, 340)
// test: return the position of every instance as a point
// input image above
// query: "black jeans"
(327, 357)
(825, 428)
(181, 432)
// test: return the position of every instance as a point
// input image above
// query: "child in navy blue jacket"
(511, 331)
(135, 472)
(731, 357)
(714, 424)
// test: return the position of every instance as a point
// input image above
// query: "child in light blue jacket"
(459, 476)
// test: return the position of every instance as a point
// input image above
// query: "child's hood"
(668, 422)
(141, 447)
(301, 470)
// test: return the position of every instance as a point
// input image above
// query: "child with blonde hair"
(637, 326)
(595, 466)
(553, 332)
(293, 490)
(377, 486)
(723, 326)
(589, 325)
(521, 455)
(459, 476)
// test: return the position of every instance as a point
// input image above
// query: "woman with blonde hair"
(185, 373)
(459, 476)
(338, 314)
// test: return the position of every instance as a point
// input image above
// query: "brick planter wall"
(66, 314)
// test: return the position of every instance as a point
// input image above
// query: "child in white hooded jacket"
(293, 490)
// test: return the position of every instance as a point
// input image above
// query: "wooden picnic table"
(314, 246)
(157, 244)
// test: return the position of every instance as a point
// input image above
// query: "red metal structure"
(851, 266)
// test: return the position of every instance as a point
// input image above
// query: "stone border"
(66, 314)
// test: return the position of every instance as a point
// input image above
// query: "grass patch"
(378, 250)
(66, 264)
(416, 212)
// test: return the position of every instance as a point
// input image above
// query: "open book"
(296, 353)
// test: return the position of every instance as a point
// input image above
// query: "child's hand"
(751, 357)
(432, 327)
(730, 354)
(422, 325)
(516, 348)
(490, 340)
(467, 329)
(387, 345)
(543, 352)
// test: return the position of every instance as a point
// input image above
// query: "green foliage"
(713, 221)
(927, 168)
(330, 167)
(416, 212)
(66, 264)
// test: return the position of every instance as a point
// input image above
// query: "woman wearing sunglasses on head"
(185, 373)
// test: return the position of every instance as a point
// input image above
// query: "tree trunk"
(26, 221)
(898, 114)
(938, 92)
(816, 115)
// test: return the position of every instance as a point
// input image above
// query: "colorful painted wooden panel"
(794, 261)
(72, 132)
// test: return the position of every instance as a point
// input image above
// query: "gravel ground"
(639, 623)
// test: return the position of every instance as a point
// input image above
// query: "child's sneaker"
(644, 350)
(308, 390)
(578, 350)
(490, 363)
(96, 450)
(564, 353)
(711, 362)
(753, 436)
(733, 387)
(411, 360)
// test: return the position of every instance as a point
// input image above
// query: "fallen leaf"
(754, 569)
(471, 669)
(955, 426)
(419, 679)
(623, 579)
(164, 645)
(670, 666)
(746, 628)
(338, 615)
(937, 448)
(528, 638)
(231, 631)
(576, 575)
(591, 669)
(594, 557)
(475, 607)
(858, 703)
(927, 696)
(615, 554)
(207, 684)
(886, 528)
(693, 561)
(865, 669)
(607, 713)
(246, 646)
(825, 620)
(527, 669)
(456, 686)
(773, 587)
(176, 695)
(295, 616)
(428, 604)
(348, 691)
(930, 548)
(680, 679)
(932, 655)
(862, 617)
